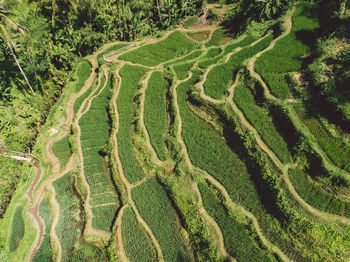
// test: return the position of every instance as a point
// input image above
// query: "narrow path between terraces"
(126, 183)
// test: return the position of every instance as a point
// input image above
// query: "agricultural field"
(187, 147)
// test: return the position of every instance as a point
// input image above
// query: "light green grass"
(137, 244)
(17, 229)
(155, 112)
(176, 44)
(156, 209)
(131, 76)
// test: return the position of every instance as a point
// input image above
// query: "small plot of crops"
(191, 56)
(130, 80)
(71, 223)
(156, 209)
(316, 196)
(286, 55)
(260, 119)
(82, 74)
(335, 148)
(95, 130)
(221, 76)
(176, 44)
(62, 150)
(155, 112)
(44, 252)
(137, 244)
(182, 70)
(190, 21)
(240, 240)
(17, 229)
(211, 58)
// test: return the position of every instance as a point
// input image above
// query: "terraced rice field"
(170, 149)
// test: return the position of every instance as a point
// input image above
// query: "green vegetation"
(182, 70)
(221, 76)
(130, 79)
(156, 209)
(286, 55)
(317, 196)
(247, 248)
(44, 252)
(335, 147)
(176, 44)
(12, 172)
(62, 150)
(190, 22)
(155, 112)
(219, 38)
(199, 36)
(17, 229)
(137, 244)
(260, 119)
(95, 131)
(70, 223)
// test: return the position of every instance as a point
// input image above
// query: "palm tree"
(8, 40)
(268, 7)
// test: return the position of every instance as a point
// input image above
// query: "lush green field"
(95, 131)
(191, 56)
(137, 244)
(17, 229)
(157, 210)
(155, 112)
(260, 119)
(176, 44)
(221, 76)
(316, 196)
(44, 252)
(199, 36)
(62, 150)
(130, 80)
(219, 38)
(286, 55)
(246, 248)
(182, 70)
(190, 22)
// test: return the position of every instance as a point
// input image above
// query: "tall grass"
(287, 54)
(130, 79)
(156, 209)
(155, 112)
(137, 244)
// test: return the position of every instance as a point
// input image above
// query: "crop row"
(137, 244)
(70, 224)
(243, 249)
(286, 55)
(182, 70)
(221, 155)
(156, 209)
(176, 44)
(83, 73)
(191, 56)
(316, 196)
(260, 119)
(95, 168)
(131, 76)
(212, 57)
(335, 148)
(155, 112)
(221, 76)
